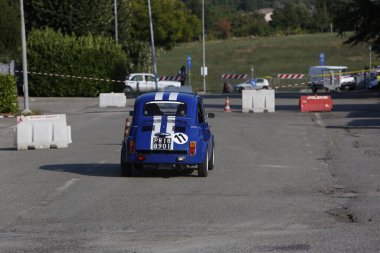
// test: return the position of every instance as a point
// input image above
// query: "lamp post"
(116, 24)
(204, 69)
(370, 57)
(153, 48)
(24, 60)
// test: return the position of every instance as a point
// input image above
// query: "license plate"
(161, 143)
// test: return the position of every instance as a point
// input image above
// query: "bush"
(88, 56)
(8, 94)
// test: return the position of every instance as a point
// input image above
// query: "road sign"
(189, 62)
(321, 59)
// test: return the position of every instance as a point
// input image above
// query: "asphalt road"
(283, 182)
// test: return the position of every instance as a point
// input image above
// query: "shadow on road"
(113, 170)
(93, 169)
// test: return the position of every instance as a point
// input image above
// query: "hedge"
(8, 94)
(88, 56)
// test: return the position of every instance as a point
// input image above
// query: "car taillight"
(132, 145)
(193, 148)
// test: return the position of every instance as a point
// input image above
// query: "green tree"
(321, 16)
(80, 17)
(10, 35)
(361, 16)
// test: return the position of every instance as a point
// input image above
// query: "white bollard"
(42, 132)
(112, 99)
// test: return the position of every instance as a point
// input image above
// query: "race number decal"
(180, 138)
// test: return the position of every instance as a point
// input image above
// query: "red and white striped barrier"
(6, 116)
(232, 76)
(290, 76)
(170, 78)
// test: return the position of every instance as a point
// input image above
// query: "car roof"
(166, 96)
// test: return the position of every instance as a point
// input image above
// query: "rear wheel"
(211, 161)
(203, 167)
(126, 169)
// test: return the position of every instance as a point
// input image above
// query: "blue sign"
(321, 59)
(189, 63)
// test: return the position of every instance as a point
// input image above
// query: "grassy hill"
(269, 56)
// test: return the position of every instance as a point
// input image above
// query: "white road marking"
(319, 119)
(66, 185)
(274, 166)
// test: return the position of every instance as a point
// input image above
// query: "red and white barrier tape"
(70, 76)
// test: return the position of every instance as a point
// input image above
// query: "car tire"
(128, 91)
(203, 167)
(126, 169)
(314, 90)
(212, 160)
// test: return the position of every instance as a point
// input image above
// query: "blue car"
(168, 129)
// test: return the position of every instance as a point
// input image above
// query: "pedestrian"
(182, 74)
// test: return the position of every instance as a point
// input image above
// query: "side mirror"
(210, 115)
(131, 113)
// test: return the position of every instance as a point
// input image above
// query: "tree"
(363, 17)
(224, 26)
(321, 16)
(10, 35)
(79, 17)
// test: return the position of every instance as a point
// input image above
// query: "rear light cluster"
(193, 148)
(132, 147)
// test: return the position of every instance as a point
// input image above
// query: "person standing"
(182, 74)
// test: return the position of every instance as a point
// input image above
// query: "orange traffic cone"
(227, 105)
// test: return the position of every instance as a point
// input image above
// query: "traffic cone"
(227, 105)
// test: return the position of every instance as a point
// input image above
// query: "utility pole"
(24, 60)
(370, 57)
(204, 68)
(116, 24)
(153, 48)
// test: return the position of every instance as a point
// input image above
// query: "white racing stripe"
(173, 96)
(159, 96)
(156, 128)
(170, 129)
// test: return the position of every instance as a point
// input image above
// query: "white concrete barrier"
(42, 132)
(258, 101)
(112, 99)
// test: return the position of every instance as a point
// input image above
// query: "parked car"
(144, 82)
(169, 129)
(252, 84)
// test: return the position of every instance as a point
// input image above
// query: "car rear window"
(165, 108)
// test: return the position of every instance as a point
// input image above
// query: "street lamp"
(116, 25)
(204, 68)
(24, 60)
(153, 48)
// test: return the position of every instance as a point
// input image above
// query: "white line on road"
(66, 185)
(319, 119)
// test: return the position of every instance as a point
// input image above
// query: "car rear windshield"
(165, 108)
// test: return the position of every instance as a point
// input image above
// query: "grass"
(269, 56)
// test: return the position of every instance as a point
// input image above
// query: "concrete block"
(42, 132)
(258, 101)
(112, 99)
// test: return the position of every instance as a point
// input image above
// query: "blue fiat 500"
(170, 129)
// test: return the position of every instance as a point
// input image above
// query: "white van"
(330, 78)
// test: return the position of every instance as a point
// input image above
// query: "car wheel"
(126, 169)
(314, 90)
(128, 91)
(265, 87)
(203, 167)
(212, 160)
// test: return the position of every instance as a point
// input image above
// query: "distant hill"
(269, 56)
